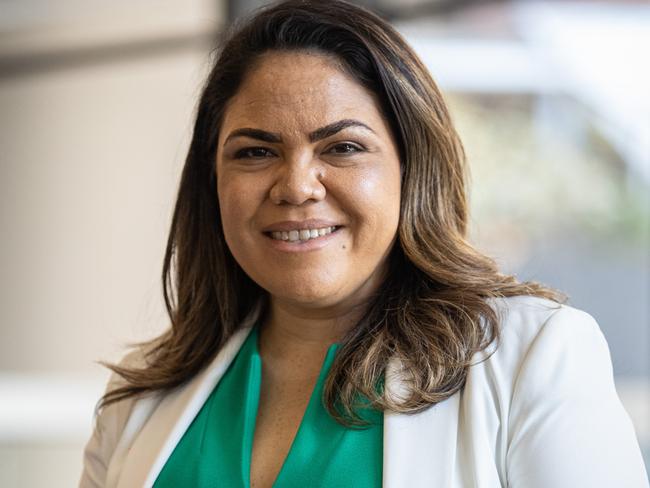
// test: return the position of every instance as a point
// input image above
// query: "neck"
(294, 335)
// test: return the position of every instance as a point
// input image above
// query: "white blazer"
(541, 412)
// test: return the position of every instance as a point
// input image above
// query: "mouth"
(302, 235)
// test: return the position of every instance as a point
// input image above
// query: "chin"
(309, 295)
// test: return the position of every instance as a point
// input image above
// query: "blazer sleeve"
(567, 427)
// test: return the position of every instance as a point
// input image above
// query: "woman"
(318, 252)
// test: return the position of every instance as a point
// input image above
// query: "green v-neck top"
(216, 449)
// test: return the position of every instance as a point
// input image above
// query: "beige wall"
(90, 159)
(95, 113)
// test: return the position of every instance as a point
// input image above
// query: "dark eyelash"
(356, 148)
(246, 153)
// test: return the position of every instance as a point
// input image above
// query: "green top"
(216, 449)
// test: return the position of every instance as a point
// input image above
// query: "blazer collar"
(419, 449)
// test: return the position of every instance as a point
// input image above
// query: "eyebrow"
(317, 135)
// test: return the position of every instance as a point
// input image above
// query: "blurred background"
(96, 105)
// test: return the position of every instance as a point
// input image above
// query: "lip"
(303, 246)
(288, 225)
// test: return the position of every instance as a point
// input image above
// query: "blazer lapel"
(419, 449)
(173, 415)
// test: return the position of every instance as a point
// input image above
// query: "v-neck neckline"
(252, 408)
(216, 447)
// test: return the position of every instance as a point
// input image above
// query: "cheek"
(237, 204)
(373, 198)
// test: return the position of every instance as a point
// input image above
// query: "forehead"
(299, 90)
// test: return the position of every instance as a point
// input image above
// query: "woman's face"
(308, 181)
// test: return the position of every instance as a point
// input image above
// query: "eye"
(253, 153)
(345, 148)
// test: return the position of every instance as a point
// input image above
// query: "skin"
(351, 177)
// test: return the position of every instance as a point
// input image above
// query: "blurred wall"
(96, 105)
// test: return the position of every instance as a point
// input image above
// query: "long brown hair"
(432, 313)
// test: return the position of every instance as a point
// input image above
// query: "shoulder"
(547, 350)
(526, 316)
(113, 417)
(527, 321)
(109, 425)
(527, 326)
(551, 391)
(120, 423)
(544, 344)
(544, 349)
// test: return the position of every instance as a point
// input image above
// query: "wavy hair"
(432, 312)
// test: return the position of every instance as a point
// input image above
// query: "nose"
(298, 181)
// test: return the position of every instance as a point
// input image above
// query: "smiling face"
(308, 180)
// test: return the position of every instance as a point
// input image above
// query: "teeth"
(302, 234)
